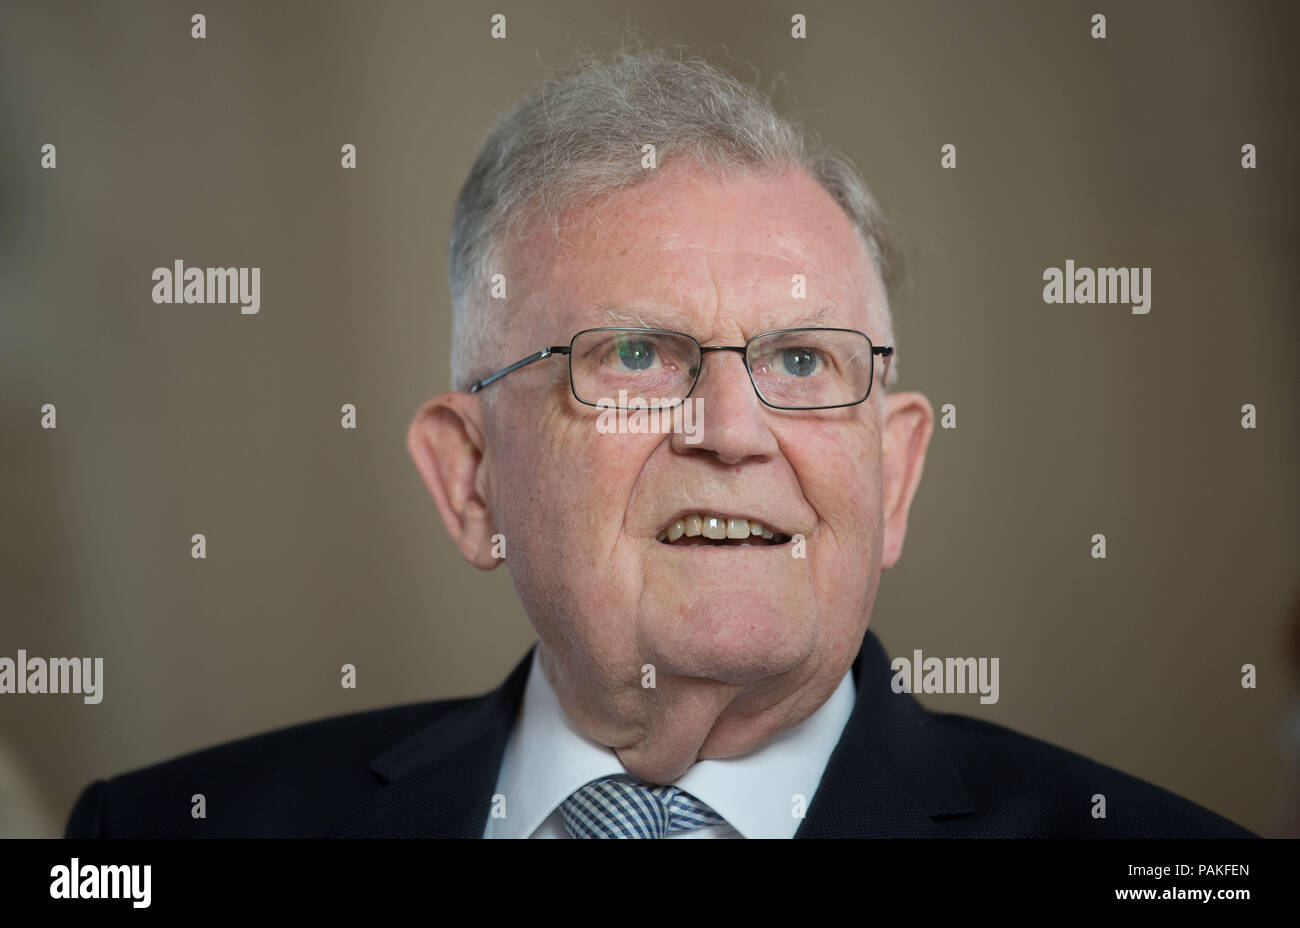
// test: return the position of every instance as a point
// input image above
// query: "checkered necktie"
(614, 807)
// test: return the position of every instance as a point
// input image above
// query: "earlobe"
(906, 427)
(445, 440)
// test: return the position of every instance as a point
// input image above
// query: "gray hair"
(578, 135)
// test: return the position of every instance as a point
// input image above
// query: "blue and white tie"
(618, 807)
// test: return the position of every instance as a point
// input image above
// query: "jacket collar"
(440, 780)
(890, 775)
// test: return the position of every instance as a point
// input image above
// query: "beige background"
(325, 549)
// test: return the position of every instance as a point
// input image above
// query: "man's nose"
(730, 420)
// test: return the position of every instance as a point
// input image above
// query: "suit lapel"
(440, 780)
(891, 775)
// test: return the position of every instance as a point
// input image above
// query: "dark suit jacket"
(429, 770)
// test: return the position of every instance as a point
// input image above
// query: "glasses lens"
(808, 368)
(614, 367)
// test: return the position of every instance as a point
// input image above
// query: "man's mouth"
(702, 529)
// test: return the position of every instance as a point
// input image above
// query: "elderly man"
(646, 231)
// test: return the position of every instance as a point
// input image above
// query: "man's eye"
(801, 362)
(636, 354)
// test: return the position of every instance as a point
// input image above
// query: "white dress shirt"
(547, 759)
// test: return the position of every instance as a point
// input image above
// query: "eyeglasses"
(789, 368)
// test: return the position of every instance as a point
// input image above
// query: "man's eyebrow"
(618, 316)
(812, 317)
(615, 315)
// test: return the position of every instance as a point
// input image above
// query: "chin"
(738, 643)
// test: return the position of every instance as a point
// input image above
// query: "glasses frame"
(742, 350)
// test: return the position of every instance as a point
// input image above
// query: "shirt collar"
(547, 759)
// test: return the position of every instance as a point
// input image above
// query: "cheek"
(839, 472)
(548, 492)
(561, 493)
(838, 469)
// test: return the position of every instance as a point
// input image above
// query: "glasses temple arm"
(888, 354)
(544, 353)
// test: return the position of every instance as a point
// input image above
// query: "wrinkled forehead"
(710, 256)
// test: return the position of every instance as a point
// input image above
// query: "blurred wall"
(323, 547)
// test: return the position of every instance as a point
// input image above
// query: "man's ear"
(906, 426)
(446, 443)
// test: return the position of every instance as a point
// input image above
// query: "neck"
(660, 732)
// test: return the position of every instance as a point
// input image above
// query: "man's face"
(744, 641)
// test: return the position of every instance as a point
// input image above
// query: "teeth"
(716, 528)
